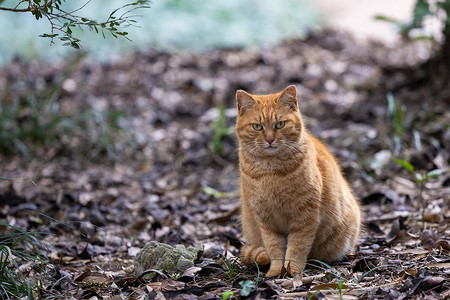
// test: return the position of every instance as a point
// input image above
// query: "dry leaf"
(432, 218)
(429, 239)
(324, 286)
(411, 272)
(444, 247)
(297, 281)
(191, 271)
(439, 265)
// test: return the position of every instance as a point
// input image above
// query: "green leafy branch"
(421, 178)
(396, 113)
(422, 9)
(62, 22)
(220, 130)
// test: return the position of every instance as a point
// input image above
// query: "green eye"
(279, 125)
(257, 127)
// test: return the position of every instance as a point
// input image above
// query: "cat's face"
(268, 125)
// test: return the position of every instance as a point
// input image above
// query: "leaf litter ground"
(176, 179)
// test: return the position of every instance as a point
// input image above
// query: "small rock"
(157, 255)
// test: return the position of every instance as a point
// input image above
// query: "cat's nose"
(270, 139)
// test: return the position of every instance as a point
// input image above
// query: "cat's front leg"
(300, 241)
(275, 245)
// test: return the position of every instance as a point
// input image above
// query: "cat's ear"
(244, 101)
(289, 98)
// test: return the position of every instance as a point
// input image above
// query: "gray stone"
(159, 256)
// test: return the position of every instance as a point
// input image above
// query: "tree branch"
(31, 7)
(17, 9)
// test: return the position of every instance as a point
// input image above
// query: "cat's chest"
(274, 195)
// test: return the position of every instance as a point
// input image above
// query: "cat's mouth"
(271, 148)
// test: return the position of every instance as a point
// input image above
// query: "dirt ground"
(173, 174)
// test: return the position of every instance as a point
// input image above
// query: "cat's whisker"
(293, 148)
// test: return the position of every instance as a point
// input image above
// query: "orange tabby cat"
(296, 205)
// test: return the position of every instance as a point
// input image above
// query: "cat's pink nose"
(270, 140)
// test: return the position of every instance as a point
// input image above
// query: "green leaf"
(37, 14)
(247, 287)
(423, 38)
(75, 45)
(213, 192)
(435, 173)
(227, 294)
(421, 10)
(445, 5)
(49, 35)
(387, 19)
(405, 165)
(396, 113)
(404, 28)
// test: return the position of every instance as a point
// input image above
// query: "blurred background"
(124, 142)
(201, 25)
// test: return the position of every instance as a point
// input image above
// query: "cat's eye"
(280, 125)
(257, 127)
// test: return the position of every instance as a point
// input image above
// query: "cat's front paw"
(275, 269)
(294, 268)
(272, 273)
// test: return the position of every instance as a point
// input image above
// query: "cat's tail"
(251, 254)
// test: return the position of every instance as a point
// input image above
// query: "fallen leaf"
(440, 265)
(405, 272)
(191, 271)
(432, 218)
(195, 290)
(82, 276)
(297, 281)
(398, 233)
(332, 285)
(375, 228)
(421, 284)
(429, 239)
(93, 277)
(155, 286)
(273, 285)
(150, 272)
(432, 282)
(85, 250)
(287, 283)
(444, 247)
(226, 217)
(285, 271)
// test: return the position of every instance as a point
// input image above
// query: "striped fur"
(296, 205)
(251, 254)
